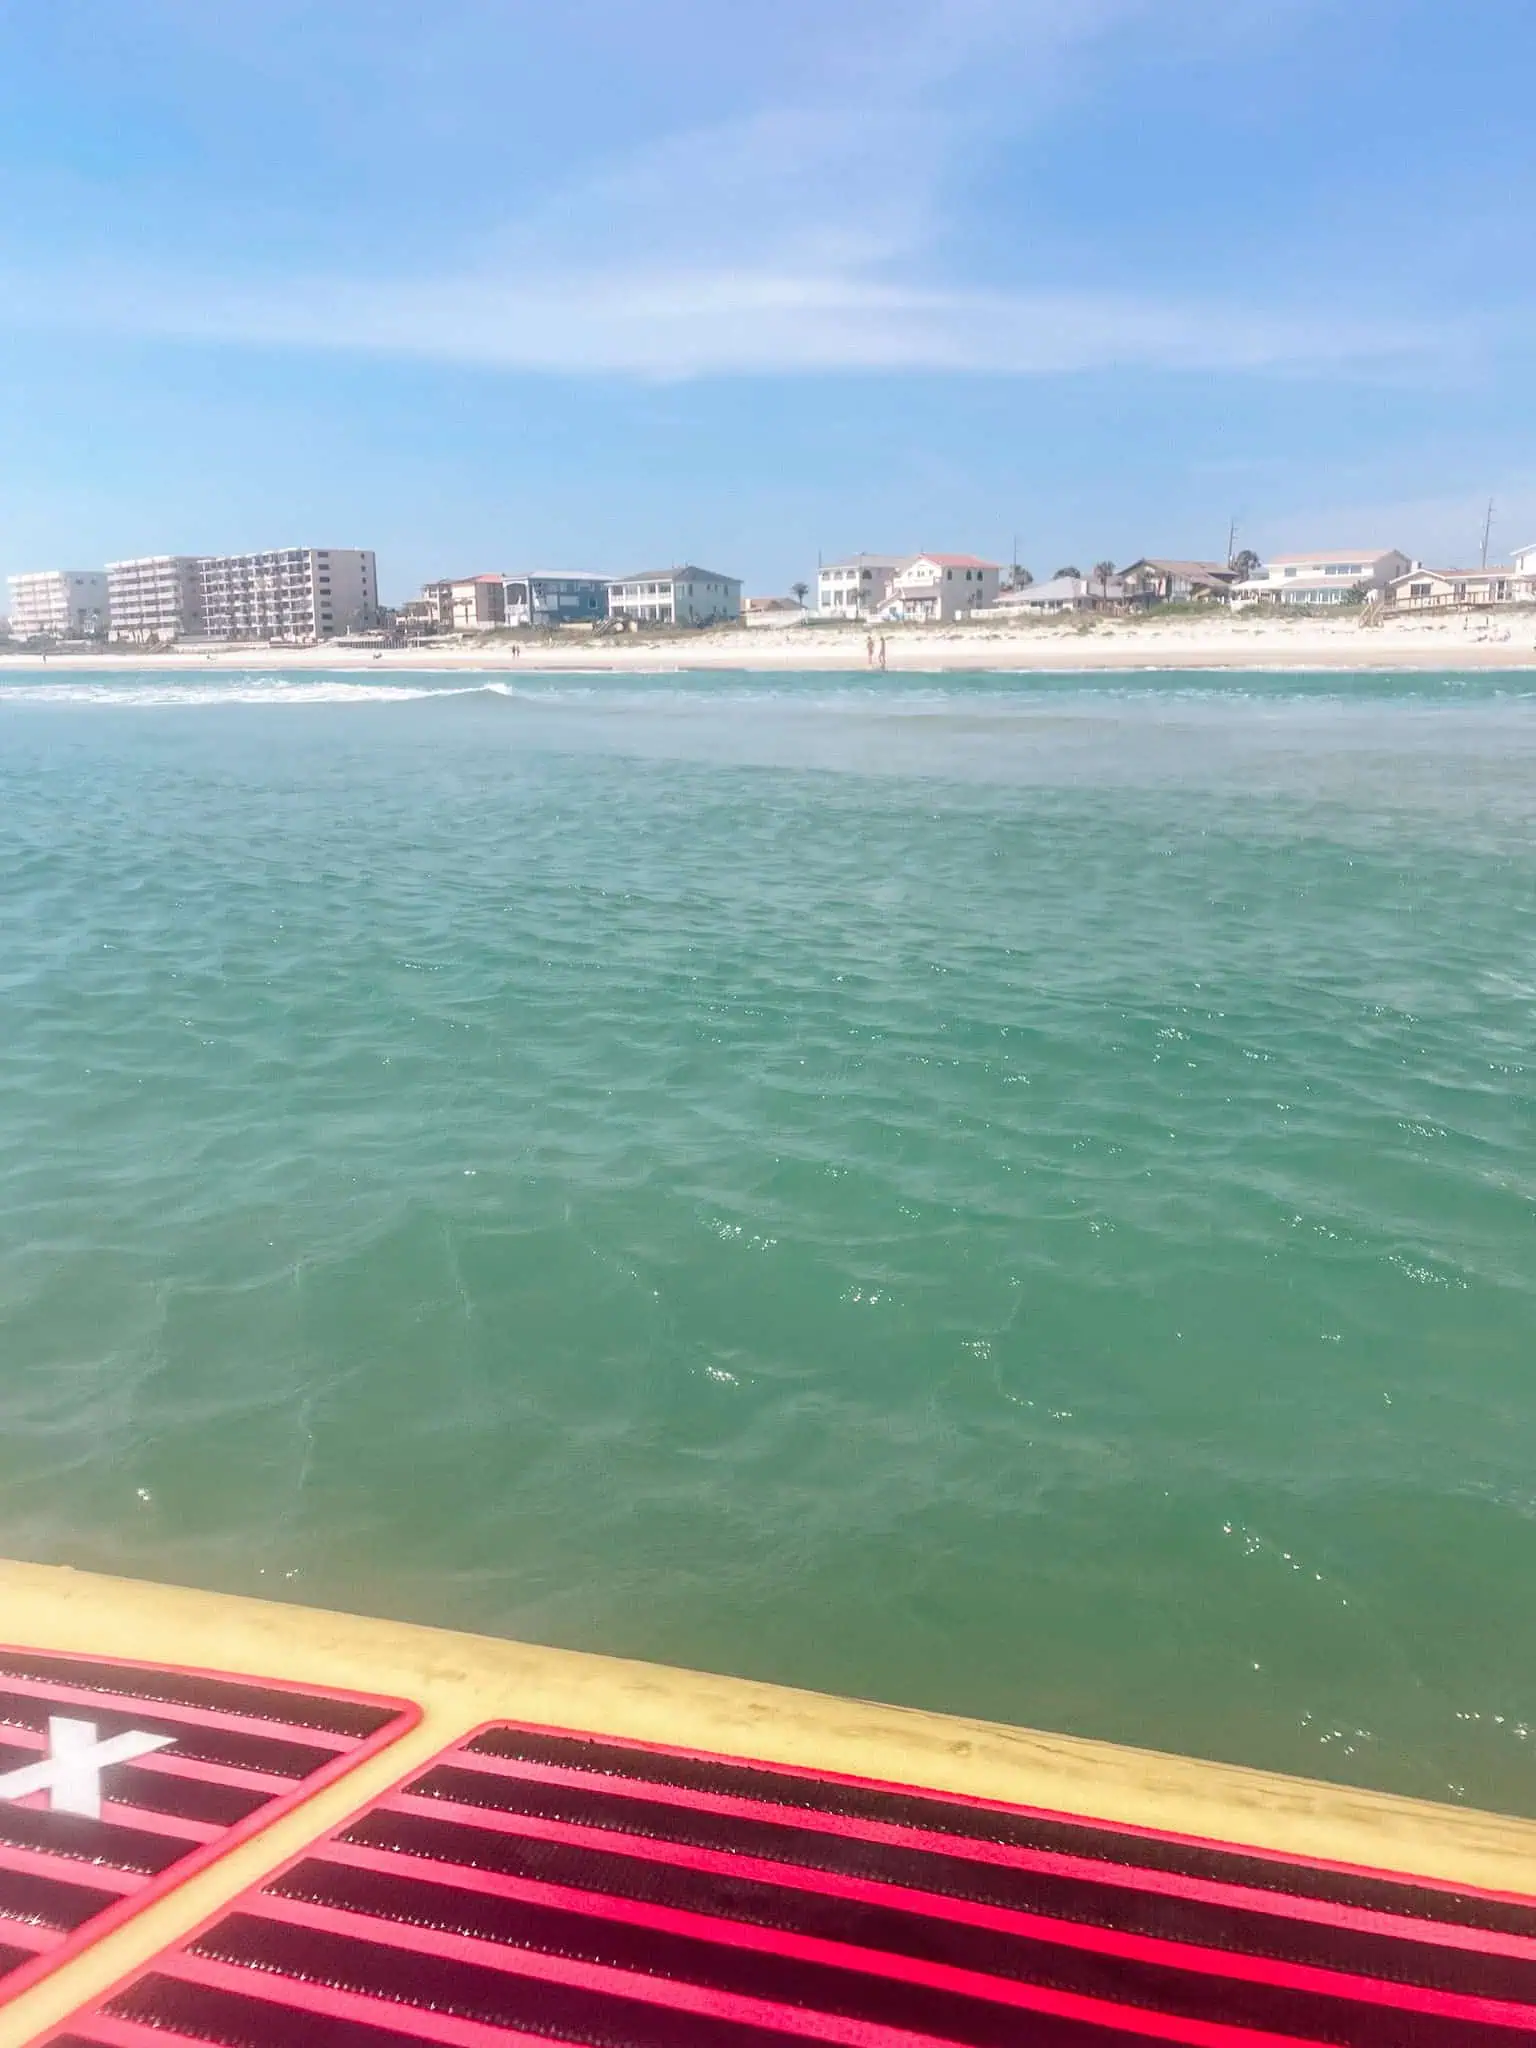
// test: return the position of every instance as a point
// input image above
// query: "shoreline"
(1223, 643)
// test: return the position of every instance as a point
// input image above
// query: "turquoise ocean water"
(1010, 1195)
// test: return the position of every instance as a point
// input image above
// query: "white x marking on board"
(71, 1772)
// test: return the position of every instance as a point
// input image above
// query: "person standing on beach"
(882, 650)
(869, 649)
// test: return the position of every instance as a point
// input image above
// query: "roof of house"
(676, 574)
(1218, 572)
(951, 561)
(866, 562)
(1330, 555)
(554, 576)
(1496, 574)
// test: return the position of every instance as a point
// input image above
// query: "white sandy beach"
(1223, 640)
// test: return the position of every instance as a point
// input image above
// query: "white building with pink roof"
(931, 587)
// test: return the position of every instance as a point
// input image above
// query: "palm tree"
(1104, 570)
(1070, 570)
(1246, 563)
(800, 592)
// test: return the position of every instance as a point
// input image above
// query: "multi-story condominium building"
(288, 593)
(555, 597)
(62, 603)
(682, 596)
(155, 597)
(1330, 577)
(940, 587)
(468, 604)
(856, 588)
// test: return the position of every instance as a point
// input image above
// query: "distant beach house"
(1056, 594)
(1524, 560)
(468, 604)
(419, 618)
(554, 597)
(683, 596)
(856, 588)
(932, 587)
(1065, 594)
(1428, 590)
(1330, 577)
(1153, 581)
(772, 611)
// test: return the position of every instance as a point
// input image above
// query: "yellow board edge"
(460, 1680)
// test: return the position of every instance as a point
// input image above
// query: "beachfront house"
(1064, 594)
(419, 618)
(554, 597)
(856, 588)
(773, 611)
(682, 596)
(1431, 590)
(468, 604)
(933, 587)
(1154, 581)
(58, 604)
(1524, 560)
(1040, 600)
(1333, 576)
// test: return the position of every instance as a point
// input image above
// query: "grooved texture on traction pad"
(532, 1886)
(118, 1780)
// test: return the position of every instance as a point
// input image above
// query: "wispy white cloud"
(758, 319)
(805, 235)
(851, 168)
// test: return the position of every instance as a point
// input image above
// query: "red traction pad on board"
(535, 1886)
(118, 1780)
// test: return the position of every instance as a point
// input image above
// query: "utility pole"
(1487, 530)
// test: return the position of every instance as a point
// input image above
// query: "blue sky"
(490, 284)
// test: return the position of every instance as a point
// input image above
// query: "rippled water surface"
(1006, 1195)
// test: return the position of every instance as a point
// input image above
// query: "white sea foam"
(983, 694)
(236, 690)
